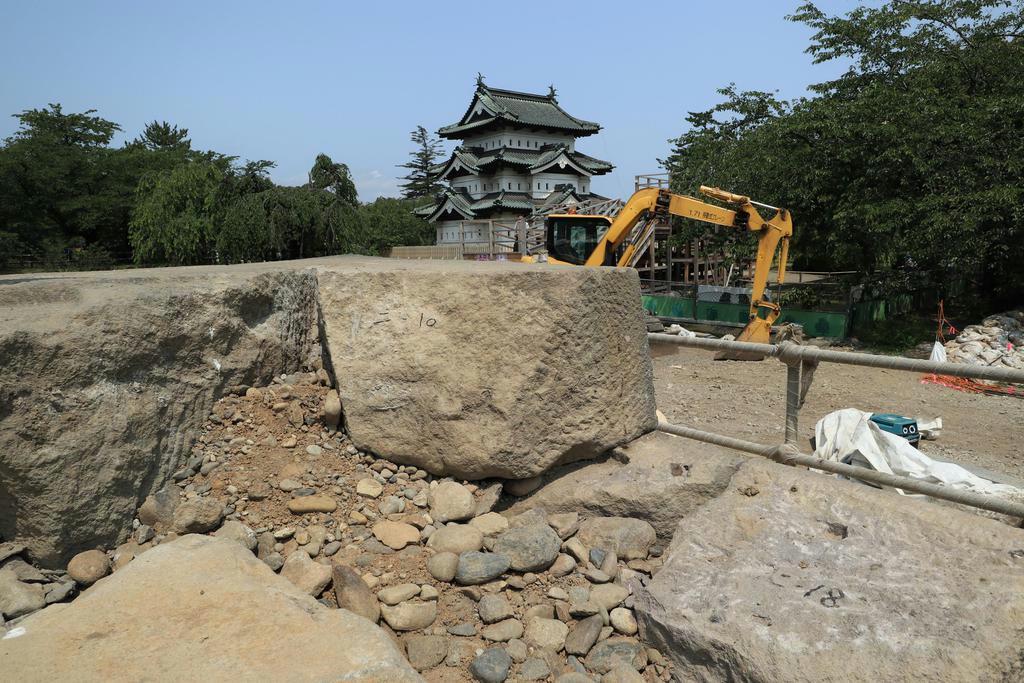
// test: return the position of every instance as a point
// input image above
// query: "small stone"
(442, 566)
(428, 592)
(369, 488)
(610, 564)
(314, 450)
(597, 556)
(475, 567)
(630, 538)
(517, 649)
(122, 555)
(284, 533)
(596, 576)
(502, 631)
(491, 666)
(331, 407)
(623, 621)
(239, 533)
(556, 593)
(88, 567)
(606, 633)
(392, 595)
(623, 673)
(307, 504)
(409, 616)
(492, 608)
(608, 595)
(198, 516)
(563, 566)
(352, 593)
(392, 505)
(583, 635)
(451, 502)
(144, 534)
(542, 610)
(490, 523)
(309, 576)
(529, 548)
(463, 630)
(288, 485)
(289, 442)
(273, 560)
(613, 652)
(332, 548)
(18, 598)
(456, 538)
(487, 499)
(546, 634)
(58, 592)
(574, 677)
(574, 546)
(425, 652)
(158, 508)
(396, 535)
(534, 669)
(565, 525)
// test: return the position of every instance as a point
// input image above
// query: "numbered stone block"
(487, 369)
(798, 576)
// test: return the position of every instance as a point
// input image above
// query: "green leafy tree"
(176, 215)
(335, 177)
(908, 164)
(163, 136)
(422, 179)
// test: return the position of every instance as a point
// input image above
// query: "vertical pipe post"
(792, 401)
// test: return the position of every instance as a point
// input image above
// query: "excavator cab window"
(572, 238)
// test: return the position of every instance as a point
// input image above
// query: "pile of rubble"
(465, 592)
(997, 341)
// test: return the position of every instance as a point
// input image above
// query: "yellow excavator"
(591, 240)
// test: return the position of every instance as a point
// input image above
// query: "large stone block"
(488, 370)
(658, 478)
(107, 378)
(199, 609)
(797, 576)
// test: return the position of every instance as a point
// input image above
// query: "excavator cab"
(571, 238)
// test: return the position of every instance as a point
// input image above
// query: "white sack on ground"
(849, 436)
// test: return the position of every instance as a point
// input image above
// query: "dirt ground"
(747, 400)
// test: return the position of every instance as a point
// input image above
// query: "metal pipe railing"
(789, 455)
(790, 353)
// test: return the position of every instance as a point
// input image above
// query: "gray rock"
(332, 548)
(409, 616)
(88, 567)
(494, 607)
(565, 524)
(517, 650)
(456, 538)
(562, 566)
(113, 415)
(332, 409)
(274, 560)
(307, 575)
(629, 538)
(18, 598)
(465, 630)
(623, 673)
(475, 568)
(843, 568)
(608, 595)
(239, 533)
(158, 508)
(426, 652)
(352, 593)
(583, 635)
(451, 502)
(534, 669)
(597, 556)
(491, 666)
(614, 652)
(144, 534)
(637, 481)
(510, 425)
(508, 629)
(23, 570)
(392, 595)
(546, 634)
(529, 548)
(198, 516)
(442, 566)
(58, 592)
(487, 499)
(242, 616)
(623, 621)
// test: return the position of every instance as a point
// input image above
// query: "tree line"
(69, 196)
(909, 167)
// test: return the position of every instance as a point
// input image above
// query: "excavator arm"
(654, 203)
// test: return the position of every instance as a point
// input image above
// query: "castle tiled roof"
(493, 105)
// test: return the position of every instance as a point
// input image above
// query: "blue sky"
(285, 81)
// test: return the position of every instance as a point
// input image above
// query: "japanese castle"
(516, 153)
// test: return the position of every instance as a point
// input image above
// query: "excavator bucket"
(758, 331)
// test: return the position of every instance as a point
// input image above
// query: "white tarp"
(850, 437)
